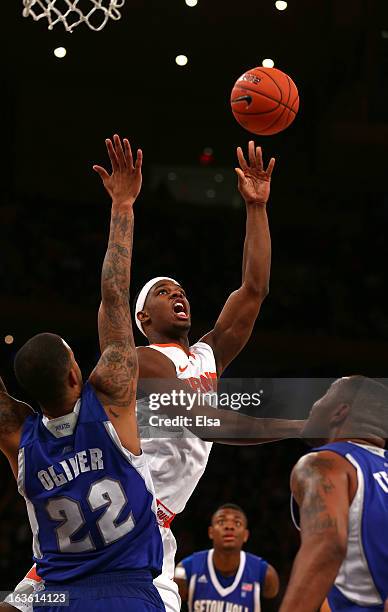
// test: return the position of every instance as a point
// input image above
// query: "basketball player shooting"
(78, 464)
(162, 313)
(342, 492)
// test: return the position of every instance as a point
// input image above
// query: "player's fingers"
(128, 153)
(270, 166)
(259, 158)
(102, 172)
(241, 159)
(119, 151)
(251, 152)
(112, 155)
(139, 160)
(240, 174)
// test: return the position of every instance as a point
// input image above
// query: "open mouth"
(229, 536)
(179, 309)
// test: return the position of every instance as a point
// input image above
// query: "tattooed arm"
(323, 485)
(115, 376)
(12, 416)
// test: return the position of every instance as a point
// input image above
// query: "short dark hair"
(358, 390)
(41, 367)
(230, 506)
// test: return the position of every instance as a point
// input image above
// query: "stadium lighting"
(281, 5)
(191, 2)
(60, 52)
(268, 63)
(8, 339)
(181, 60)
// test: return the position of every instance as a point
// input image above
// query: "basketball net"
(95, 13)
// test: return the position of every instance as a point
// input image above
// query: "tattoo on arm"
(12, 414)
(117, 369)
(313, 486)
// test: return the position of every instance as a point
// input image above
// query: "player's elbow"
(256, 292)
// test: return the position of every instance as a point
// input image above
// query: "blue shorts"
(122, 591)
(339, 603)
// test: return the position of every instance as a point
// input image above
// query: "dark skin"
(234, 325)
(324, 485)
(229, 533)
(115, 376)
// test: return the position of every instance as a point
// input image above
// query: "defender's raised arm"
(115, 375)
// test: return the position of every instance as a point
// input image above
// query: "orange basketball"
(264, 101)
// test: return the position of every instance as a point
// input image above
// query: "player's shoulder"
(198, 557)
(153, 361)
(199, 554)
(255, 564)
(202, 348)
(251, 558)
(317, 464)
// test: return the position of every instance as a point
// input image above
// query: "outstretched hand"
(124, 184)
(253, 180)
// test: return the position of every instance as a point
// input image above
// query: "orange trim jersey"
(176, 458)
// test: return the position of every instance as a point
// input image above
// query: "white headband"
(143, 296)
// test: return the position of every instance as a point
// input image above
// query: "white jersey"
(177, 461)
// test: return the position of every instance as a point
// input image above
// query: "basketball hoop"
(95, 13)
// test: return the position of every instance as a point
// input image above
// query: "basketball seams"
(289, 90)
(259, 93)
(269, 76)
(277, 118)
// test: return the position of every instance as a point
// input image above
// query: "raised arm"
(115, 376)
(12, 416)
(158, 376)
(235, 323)
(321, 484)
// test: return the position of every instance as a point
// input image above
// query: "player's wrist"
(119, 203)
(255, 203)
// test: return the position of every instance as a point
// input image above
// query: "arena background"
(326, 314)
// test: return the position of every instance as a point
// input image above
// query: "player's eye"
(161, 291)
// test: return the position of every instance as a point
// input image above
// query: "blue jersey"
(209, 590)
(362, 581)
(90, 501)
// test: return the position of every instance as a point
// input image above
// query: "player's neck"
(181, 339)
(373, 441)
(226, 562)
(66, 406)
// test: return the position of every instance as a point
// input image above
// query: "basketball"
(264, 101)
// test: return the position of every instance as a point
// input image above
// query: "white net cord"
(95, 13)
